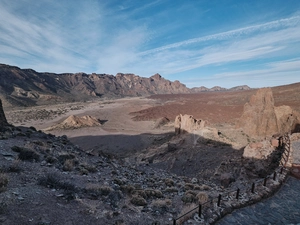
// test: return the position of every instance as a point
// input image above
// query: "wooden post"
(219, 199)
(200, 210)
(253, 187)
(265, 181)
(274, 177)
(174, 221)
(238, 194)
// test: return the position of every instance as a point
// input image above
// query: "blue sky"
(198, 42)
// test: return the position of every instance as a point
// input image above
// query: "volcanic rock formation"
(73, 122)
(187, 124)
(261, 118)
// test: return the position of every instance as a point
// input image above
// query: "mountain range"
(26, 87)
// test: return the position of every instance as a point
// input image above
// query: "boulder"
(259, 118)
(288, 120)
(262, 119)
(187, 124)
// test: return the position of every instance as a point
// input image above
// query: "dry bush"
(171, 190)
(189, 186)
(138, 201)
(3, 182)
(14, 167)
(127, 189)
(185, 210)
(26, 154)
(98, 190)
(202, 197)
(153, 193)
(53, 180)
(188, 198)
(68, 165)
(161, 203)
(169, 182)
(89, 168)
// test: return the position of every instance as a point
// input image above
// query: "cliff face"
(28, 87)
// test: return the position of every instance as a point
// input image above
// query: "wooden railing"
(239, 197)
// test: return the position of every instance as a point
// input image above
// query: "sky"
(198, 42)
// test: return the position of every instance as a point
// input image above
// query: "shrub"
(161, 203)
(202, 197)
(28, 155)
(14, 167)
(169, 182)
(68, 165)
(171, 190)
(153, 193)
(89, 168)
(96, 190)
(52, 180)
(138, 201)
(188, 198)
(189, 186)
(127, 189)
(3, 182)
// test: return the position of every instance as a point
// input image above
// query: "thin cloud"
(287, 22)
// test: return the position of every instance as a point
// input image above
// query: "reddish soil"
(214, 107)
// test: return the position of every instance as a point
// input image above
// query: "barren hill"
(25, 87)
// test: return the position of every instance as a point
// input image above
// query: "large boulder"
(187, 124)
(288, 120)
(259, 118)
(3, 121)
(262, 119)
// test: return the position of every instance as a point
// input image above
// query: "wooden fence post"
(238, 194)
(274, 177)
(219, 199)
(200, 210)
(253, 187)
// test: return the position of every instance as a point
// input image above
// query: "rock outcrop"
(187, 124)
(288, 120)
(3, 121)
(262, 119)
(259, 118)
(74, 122)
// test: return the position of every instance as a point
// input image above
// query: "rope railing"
(241, 193)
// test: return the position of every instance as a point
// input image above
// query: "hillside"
(25, 87)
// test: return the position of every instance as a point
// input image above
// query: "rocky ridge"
(26, 87)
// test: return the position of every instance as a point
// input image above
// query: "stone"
(259, 118)
(187, 124)
(262, 119)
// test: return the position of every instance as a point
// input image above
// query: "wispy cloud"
(93, 36)
(287, 22)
